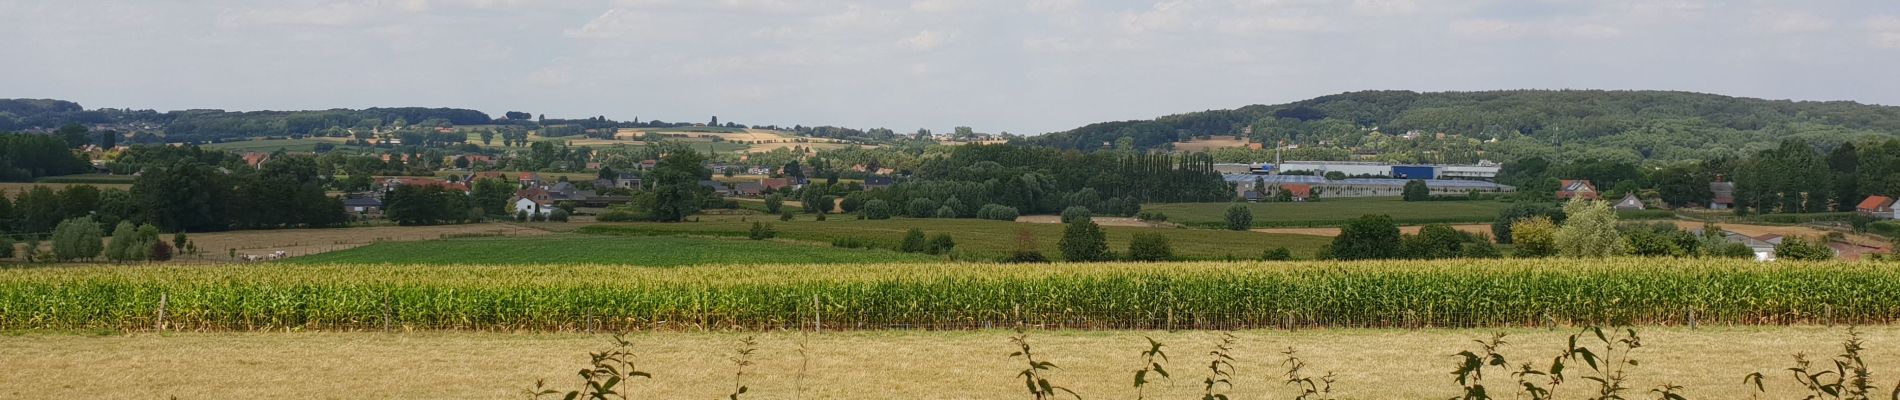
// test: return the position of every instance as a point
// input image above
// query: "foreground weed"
(1151, 364)
(742, 359)
(1310, 388)
(1850, 379)
(1609, 364)
(1471, 366)
(602, 380)
(1032, 374)
(1220, 370)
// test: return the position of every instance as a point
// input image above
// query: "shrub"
(1479, 249)
(1501, 229)
(1083, 241)
(1152, 217)
(852, 243)
(1076, 213)
(160, 251)
(1416, 190)
(6, 246)
(1536, 237)
(1802, 249)
(1026, 249)
(877, 209)
(786, 216)
(941, 244)
(997, 212)
(946, 212)
(824, 204)
(123, 238)
(1277, 254)
(618, 215)
(521, 216)
(1239, 217)
(821, 217)
(1150, 247)
(774, 202)
(1734, 250)
(1435, 241)
(913, 242)
(1590, 231)
(558, 215)
(956, 206)
(761, 231)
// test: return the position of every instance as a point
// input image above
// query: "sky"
(1026, 67)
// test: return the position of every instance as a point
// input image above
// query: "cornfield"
(1413, 294)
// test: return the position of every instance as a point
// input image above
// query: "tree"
(124, 237)
(1435, 241)
(1536, 237)
(946, 212)
(877, 209)
(77, 239)
(1368, 237)
(38, 211)
(558, 215)
(913, 242)
(491, 195)
(1415, 190)
(1277, 254)
(160, 251)
(181, 243)
(6, 246)
(1239, 217)
(185, 195)
(941, 244)
(921, 208)
(677, 192)
(1590, 231)
(1076, 213)
(773, 203)
(1083, 241)
(1150, 247)
(1803, 249)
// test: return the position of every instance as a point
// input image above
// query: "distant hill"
(1504, 125)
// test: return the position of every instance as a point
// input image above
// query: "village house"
(1724, 194)
(878, 182)
(1576, 189)
(256, 159)
(776, 184)
(1876, 207)
(365, 206)
(1299, 192)
(534, 201)
(623, 181)
(750, 189)
(530, 179)
(1630, 203)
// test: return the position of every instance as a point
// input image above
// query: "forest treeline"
(1508, 125)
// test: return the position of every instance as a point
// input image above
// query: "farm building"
(1364, 187)
(1484, 170)
(1876, 206)
(363, 206)
(1724, 194)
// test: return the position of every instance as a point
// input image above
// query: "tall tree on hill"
(1370, 237)
(676, 191)
(74, 135)
(184, 196)
(1844, 162)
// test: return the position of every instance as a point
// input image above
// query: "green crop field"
(304, 145)
(1456, 293)
(980, 239)
(1334, 212)
(652, 251)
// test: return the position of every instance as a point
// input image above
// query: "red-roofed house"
(530, 179)
(775, 183)
(533, 201)
(1876, 206)
(256, 159)
(1576, 189)
(1299, 192)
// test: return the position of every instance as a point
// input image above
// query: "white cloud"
(1791, 22)
(614, 24)
(1502, 29)
(924, 40)
(336, 14)
(1884, 31)
(935, 6)
(1260, 24)
(1052, 6)
(1163, 16)
(1384, 7)
(776, 6)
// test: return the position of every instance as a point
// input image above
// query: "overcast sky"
(1020, 66)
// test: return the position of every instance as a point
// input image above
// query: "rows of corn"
(949, 296)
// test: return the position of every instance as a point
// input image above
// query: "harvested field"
(297, 242)
(1370, 364)
(1331, 232)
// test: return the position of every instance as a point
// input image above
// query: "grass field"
(14, 189)
(981, 239)
(1335, 211)
(655, 251)
(1369, 364)
(1457, 293)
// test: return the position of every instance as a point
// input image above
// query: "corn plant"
(1151, 364)
(1220, 370)
(1311, 388)
(1032, 374)
(602, 380)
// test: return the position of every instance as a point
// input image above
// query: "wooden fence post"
(163, 300)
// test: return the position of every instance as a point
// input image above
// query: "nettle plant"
(1850, 379)
(1608, 360)
(1152, 361)
(1220, 370)
(604, 377)
(1311, 388)
(1034, 370)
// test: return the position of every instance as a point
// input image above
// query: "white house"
(531, 207)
